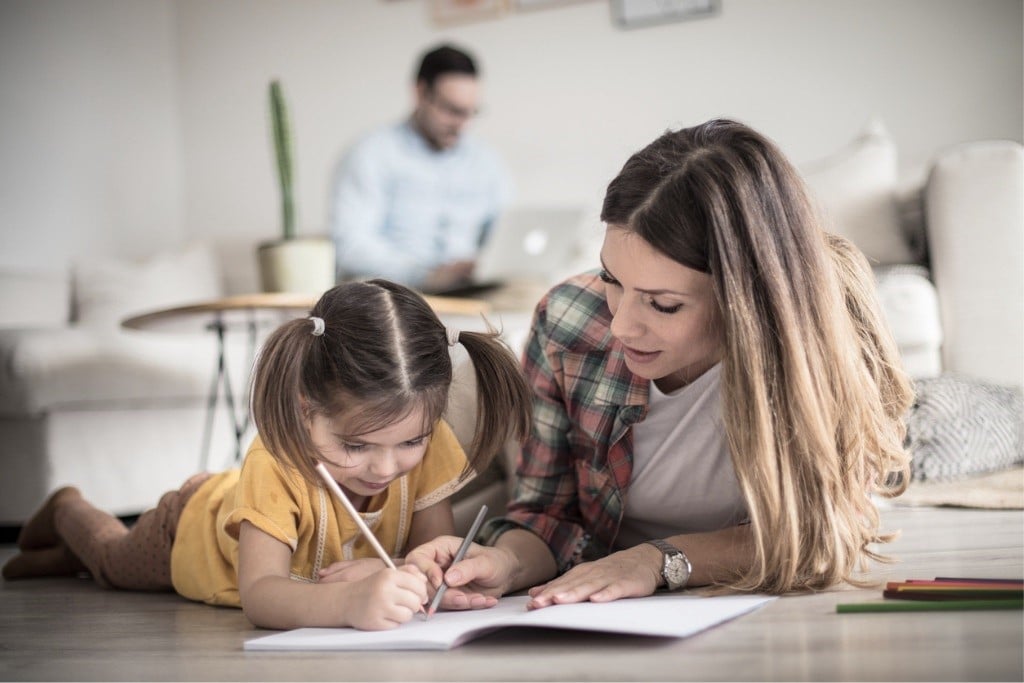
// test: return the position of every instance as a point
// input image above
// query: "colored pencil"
(928, 606)
(981, 582)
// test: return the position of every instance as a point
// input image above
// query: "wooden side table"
(251, 312)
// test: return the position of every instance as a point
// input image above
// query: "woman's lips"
(640, 356)
(374, 486)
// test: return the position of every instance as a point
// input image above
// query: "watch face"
(676, 573)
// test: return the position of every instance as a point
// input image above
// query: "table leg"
(217, 326)
(222, 382)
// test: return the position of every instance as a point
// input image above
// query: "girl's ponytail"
(276, 388)
(503, 408)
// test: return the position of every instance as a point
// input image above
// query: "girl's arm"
(270, 599)
(429, 523)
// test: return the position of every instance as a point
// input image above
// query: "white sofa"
(948, 249)
(121, 413)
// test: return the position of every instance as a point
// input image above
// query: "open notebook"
(670, 616)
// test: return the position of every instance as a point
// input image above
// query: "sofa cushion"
(856, 191)
(33, 299)
(77, 368)
(109, 290)
(974, 204)
(911, 309)
(960, 426)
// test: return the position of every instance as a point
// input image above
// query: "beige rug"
(996, 490)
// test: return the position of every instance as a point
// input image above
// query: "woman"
(715, 406)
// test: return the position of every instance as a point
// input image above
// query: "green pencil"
(923, 606)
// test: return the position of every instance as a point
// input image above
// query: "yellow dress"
(276, 499)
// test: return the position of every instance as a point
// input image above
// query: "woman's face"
(663, 314)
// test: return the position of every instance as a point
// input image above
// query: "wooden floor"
(69, 629)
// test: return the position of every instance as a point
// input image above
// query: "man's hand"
(448, 275)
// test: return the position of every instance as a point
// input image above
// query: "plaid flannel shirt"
(576, 464)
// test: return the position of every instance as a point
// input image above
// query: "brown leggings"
(118, 557)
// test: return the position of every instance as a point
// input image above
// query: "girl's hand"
(386, 598)
(351, 570)
(631, 573)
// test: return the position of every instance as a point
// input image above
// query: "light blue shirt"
(400, 208)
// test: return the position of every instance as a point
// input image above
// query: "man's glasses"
(450, 109)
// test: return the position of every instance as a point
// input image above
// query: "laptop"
(525, 243)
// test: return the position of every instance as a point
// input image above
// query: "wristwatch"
(675, 567)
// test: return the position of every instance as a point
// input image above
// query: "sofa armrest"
(974, 208)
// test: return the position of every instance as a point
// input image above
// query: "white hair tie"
(453, 335)
(318, 325)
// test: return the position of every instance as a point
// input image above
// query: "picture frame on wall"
(527, 5)
(639, 13)
(447, 12)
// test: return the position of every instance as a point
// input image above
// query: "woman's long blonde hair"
(814, 396)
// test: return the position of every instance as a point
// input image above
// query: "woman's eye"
(665, 309)
(607, 278)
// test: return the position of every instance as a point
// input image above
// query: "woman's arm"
(636, 572)
(271, 599)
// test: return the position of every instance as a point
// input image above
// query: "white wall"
(567, 98)
(90, 150)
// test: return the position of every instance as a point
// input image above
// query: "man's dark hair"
(442, 60)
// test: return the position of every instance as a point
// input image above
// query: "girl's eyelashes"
(607, 278)
(352, 447)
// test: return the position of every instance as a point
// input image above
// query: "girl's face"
(365, 464)
(663, 314)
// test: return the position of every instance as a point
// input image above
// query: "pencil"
(459, 555)
(354, 514)
(923, 606)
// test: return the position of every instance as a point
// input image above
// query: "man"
(413, 201)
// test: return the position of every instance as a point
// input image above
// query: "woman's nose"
(625, 322)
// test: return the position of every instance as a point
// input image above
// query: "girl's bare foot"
(40, 532)
(55, 561)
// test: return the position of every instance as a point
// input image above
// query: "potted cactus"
(291, 263)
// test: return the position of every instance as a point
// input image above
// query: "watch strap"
(669, 552)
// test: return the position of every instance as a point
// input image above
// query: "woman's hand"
(631, 573)
(385, 599)
(351, 570)
(473, 583)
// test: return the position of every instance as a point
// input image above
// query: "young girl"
(716, 405)
(359, 386)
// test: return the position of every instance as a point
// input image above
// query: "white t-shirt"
(683, 479)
